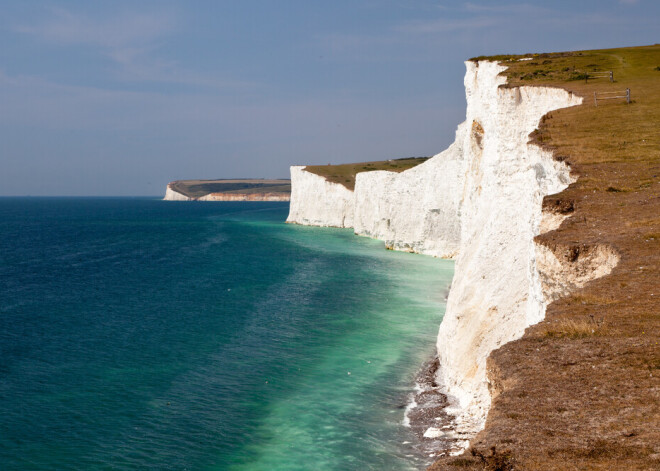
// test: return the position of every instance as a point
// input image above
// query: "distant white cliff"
(255, 195)
(479, 202)
(172, 195)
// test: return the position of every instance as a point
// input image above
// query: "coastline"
(538, 222)
(240, 317)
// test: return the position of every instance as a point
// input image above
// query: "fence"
(607, 74)
(612, 96)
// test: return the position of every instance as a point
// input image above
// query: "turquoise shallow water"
(141, 334)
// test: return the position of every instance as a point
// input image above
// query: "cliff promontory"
(486, 201)
(480, 202)
(581, 390)
(228, 190)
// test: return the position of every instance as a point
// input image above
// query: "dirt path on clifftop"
(581, 390)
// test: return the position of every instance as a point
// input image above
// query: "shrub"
(577, 76)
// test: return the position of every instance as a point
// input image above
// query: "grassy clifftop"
(344, 174)
(581, 390)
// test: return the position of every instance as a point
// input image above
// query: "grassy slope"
(568, 398)
(345, 174)
(197, 188)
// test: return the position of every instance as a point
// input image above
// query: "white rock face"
(496, 292)
(416, 210)
(318, 202)
(559, 276)
(171, 195)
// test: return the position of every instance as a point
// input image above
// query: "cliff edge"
(479, 201)
(486, 201)
(581, 389)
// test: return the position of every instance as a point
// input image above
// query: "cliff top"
(198, 188)
(344, 174)
(581, 390)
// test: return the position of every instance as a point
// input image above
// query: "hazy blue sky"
(118, 98)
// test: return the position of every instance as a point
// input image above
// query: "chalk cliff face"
(318, 202)
(480, 201)
(416, 210)
(413, 211)
(171, 195)
(496, 292)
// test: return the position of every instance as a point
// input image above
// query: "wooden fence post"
(628, 95)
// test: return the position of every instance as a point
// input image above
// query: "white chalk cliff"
(318, 202)
(496, 292)
(416, 210)
(256, 195)
(172, 195)
(479, 202)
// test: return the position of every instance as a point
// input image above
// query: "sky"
(119, 98)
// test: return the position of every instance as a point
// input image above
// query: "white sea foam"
(410, 406)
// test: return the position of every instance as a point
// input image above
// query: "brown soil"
(581, 390)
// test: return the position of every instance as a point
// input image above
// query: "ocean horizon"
(143, 334)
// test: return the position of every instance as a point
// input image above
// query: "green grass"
(613, 131)
(344, 174)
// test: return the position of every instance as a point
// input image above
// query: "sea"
(139, 334)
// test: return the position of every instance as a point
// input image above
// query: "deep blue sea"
(138, 334)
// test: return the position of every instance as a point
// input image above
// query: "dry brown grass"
(589, 298)
(577, 328)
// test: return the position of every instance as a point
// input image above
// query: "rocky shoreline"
(428, 416)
